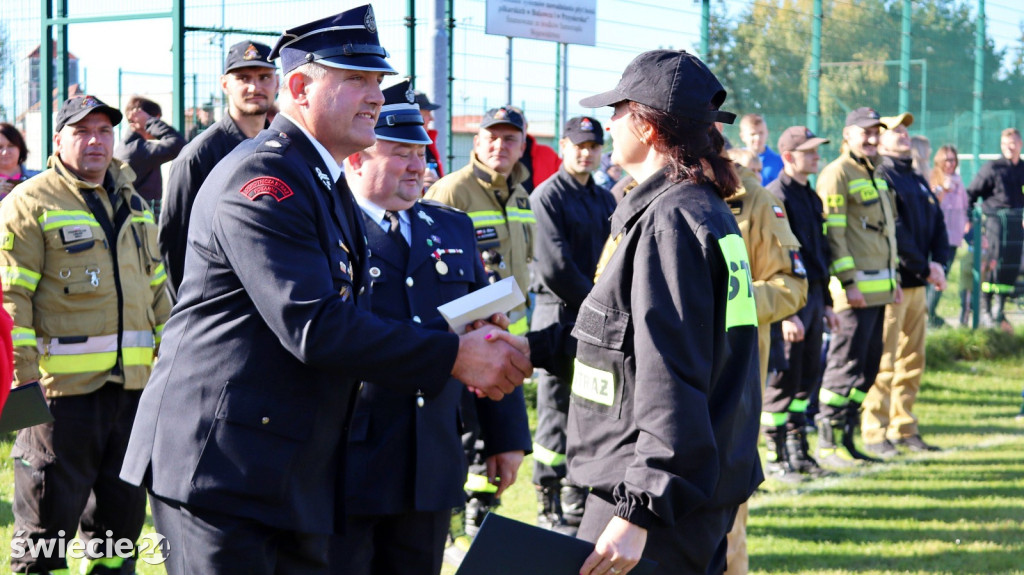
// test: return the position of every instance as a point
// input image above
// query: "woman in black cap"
(665, 393)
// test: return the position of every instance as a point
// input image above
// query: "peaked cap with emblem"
(400, 119)
(248, 54)
(347, 41)
(75, 108)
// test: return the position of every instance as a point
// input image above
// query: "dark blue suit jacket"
(403, 457)
(248, 407)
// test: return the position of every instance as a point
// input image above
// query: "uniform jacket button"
(265, 420)
(417, 319)
(409, 282)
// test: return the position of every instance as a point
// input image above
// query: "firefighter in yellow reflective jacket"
(490, 191)
(83, 280)
(860, 224)
(779, 287)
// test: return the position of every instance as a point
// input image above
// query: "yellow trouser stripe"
(832, 398)
(544, 455)
(798, 406)
(857, 396)
(479, 484)
(773, 419)
(996, 288)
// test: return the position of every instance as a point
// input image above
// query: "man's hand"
(793, 329)
(618, 549)
(936, 276)
(498, 320)
(490, 368)
(137, 119)
(831, 319)
(502, 469)
(854, 296)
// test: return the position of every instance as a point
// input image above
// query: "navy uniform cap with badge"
(247, 412)
(248, 54)
(418, 437)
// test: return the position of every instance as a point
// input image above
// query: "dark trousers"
(853, 358)
(1005, 239)
(66, 474)
(694, 546)
(552, 419)
(407, 544)
(804, 362)
(203, 541)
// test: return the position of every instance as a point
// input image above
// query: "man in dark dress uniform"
(423, 255)
(241, 435)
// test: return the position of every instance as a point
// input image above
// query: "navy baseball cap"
(673, 81)
(424, 102)
(347, 40)
(863, 118)
(504, 115)
(75, 108)
(247, 54)
(400, 119)
(584, 129)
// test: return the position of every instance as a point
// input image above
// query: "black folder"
(25, 407)
(505, 546)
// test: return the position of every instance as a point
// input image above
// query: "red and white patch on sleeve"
(779, 212)
(266, 186)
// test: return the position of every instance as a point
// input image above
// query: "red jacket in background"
(6, 354)
(541, 160)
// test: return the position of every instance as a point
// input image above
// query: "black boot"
(574, 500)
(998, 303)
(799, 453)
(777, 464)
(829, 453)
(850, 433)
(549, 505)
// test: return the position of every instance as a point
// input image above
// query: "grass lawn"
(956, 511)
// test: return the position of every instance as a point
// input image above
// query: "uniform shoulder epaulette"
(276, 143)
(443, 206)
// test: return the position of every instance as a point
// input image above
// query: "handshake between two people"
(491, 361)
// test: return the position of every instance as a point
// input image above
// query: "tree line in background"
(763, 56)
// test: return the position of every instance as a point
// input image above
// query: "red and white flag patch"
(266, 186)
(779, 213)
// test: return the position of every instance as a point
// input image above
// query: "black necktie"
(395, 230)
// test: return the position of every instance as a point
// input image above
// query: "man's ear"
(356, 161)
(296, 84)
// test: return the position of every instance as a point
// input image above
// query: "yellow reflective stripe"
(835, 221)
(78, 363)
(145, 218)
(519, 327)
(23, 336)
(159, 276)
(835, 201)
(832, 398)
(881, 184)
(15, 276)
(773, 419)
(857, 396)
(798, 406)
(52, 219)
(544, 455)
(520, 215)
(843, 264)
(158, 333)
(996, 288)
(113, 563)
(486, 218)
(479, 484)
(858, 185)
(876, 286)
(137, 355)
(740, 310)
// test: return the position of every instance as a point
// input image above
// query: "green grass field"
(957, 511)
